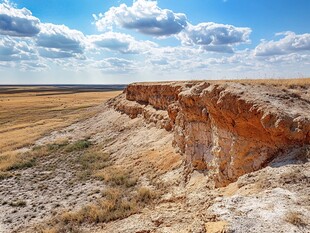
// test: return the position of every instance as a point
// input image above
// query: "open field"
(29, 112)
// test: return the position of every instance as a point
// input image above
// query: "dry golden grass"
(277, 82)
(28, 113)
(295, 218)
(116, 203)
(116, 176)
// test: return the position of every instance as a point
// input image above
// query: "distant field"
(29, 112)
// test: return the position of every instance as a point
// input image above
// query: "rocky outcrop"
(226, 129)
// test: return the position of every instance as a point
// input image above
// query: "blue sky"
(106, 41)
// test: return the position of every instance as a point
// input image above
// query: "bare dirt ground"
(35, 198)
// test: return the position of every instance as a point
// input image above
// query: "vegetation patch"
(57, 145)
(16, 161)
(93, 160)
(5, 175)
(145, 195)
(90, 162)
(296, 219)
(103, 211)
(78, 146)
(117, 177)
(115, 203)
(18, 203)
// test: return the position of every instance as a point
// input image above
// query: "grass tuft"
(19, 203)
(295, 218)
(5, 175)
(22, 162)
(117, 177)
(57, 146)
(78, 146)
(112, 208)
(145, 195)
(94, 160)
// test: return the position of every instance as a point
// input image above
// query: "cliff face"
(226, 129)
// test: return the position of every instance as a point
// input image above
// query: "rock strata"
(226, 129)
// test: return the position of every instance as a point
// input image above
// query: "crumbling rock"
(227, 129)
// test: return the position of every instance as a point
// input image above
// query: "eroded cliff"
(226, 129)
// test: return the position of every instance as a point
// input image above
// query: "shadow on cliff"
(294, 155)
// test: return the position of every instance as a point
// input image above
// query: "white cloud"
(59, 41)
(159, 62)
(120, 42)
(171, 59)
(35, 46)
(214, 37)
(16, 50)
(144, 16)
(290, 43)
(286, 58)
(34, 66)
(116, 65)
(17, 22)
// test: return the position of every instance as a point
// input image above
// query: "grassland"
(28, 113)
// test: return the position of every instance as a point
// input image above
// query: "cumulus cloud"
(17, 22)
(120, 42)
(115, 65)
(15, 50)
(59, 41)
(7, 48)
(34, 66)
(144, 16)
(171, 59)
(291, 58)
(214, 37)
(290, 43)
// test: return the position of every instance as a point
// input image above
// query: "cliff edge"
(225, 129)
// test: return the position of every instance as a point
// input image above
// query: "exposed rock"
(227, 129)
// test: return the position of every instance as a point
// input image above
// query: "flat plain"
(29, 112)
